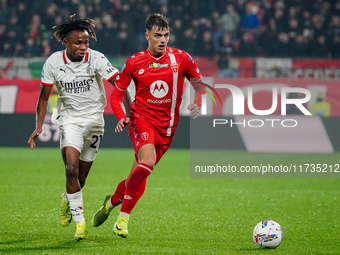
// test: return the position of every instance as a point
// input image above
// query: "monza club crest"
(174, 67)
(144, 136)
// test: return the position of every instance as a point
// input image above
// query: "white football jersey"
(80, 86)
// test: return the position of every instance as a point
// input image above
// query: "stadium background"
(293, 43)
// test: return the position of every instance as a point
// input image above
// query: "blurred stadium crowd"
(268, 28)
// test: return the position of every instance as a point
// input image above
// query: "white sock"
(76, 205)
(109, 205)
(124, 214)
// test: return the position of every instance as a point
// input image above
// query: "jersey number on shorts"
(93, 145)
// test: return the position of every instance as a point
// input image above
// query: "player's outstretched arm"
(40, 113)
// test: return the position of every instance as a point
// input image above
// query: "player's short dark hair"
(158, 20)
(73, 24)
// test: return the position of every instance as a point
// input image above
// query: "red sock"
(135, 187)
(117, 197)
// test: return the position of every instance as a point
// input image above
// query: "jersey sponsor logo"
(141, 71)
(158, 65)
(159, 89)
(42, 73)
(76, 86)
(158, 101)
(144, 136)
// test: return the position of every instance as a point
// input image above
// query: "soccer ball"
(268, 234)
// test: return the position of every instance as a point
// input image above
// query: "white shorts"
(85, 138)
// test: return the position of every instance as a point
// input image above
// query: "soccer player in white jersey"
(77, 72)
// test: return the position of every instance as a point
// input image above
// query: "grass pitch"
(176, 215)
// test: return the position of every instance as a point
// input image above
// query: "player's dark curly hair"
(74, 24)
(158, 20)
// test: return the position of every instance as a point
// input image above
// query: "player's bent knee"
(71, 171)
(149, 161)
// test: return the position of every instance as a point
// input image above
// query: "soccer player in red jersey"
(158, 73)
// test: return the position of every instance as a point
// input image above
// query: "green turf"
(176, 215)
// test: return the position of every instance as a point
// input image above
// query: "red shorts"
(141, 132)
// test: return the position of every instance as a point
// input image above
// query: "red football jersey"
(159, 87)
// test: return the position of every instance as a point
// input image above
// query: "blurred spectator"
(305, 23)
(247, 47)
(293, 28)
(254, 24)
(189, 40)
(280, 20)
(217, 32)
(35, 33)
(82, 13)
(55, 45)
(30, 49)
(300, 47)
(23, 13)
(335, 47)
(46, 48)
(250, 21)
(321, 107)
(204, 47)
(229, 21)
(18, 50)
(317, 25)
(240, 7)
(293, 12)
(7, 50)
(334, 26)
(281, 47)
(126, 40)
(5, 11)
(268, 37)
(319, 48)
(14, 31)
(227, 65)
(177, 33)
(110, 35)
(49, 18)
